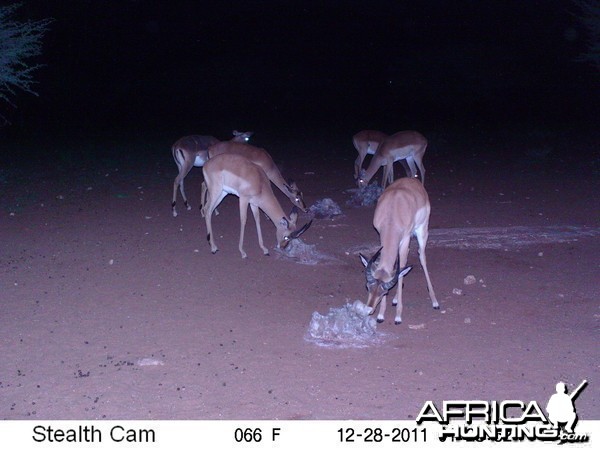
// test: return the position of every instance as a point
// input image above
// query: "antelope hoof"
(436, 306)
(379, 320)
(398, 321)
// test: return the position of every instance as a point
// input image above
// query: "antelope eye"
(286, 238)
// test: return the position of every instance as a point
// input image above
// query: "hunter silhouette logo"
(561, 406)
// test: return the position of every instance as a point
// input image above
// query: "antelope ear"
(404, 271)
(376, 255)
(297, 233)
(291, 186)
(284, 223)
(363, 259)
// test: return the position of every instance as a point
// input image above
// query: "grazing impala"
(263, 159)
(234, 174)
(366, 143)
(407, 145)
(402, 210)
(192, 151)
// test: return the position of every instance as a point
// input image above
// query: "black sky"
(180, 67)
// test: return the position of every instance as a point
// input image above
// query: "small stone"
(150, 362)
(470, 279)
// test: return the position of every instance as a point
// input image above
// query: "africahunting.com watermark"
(509, 420)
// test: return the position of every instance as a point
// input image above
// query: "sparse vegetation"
(19, 43)
(590, 17)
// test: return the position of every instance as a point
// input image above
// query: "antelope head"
(296, 195)
(361, 181)
(379, 281)
(286, 229)
(242, 136)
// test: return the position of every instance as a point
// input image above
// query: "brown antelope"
(404, 145)
(192, 151)
(230, 173)
(366, 142)
(402, 210)
(262, 158)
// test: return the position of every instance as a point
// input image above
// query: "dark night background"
(169, 68)
(95, 272)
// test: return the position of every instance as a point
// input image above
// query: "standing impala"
(402, 210)
(234, 174)
(262, 158)
(192, 151)
(366, 142)
(407, 145)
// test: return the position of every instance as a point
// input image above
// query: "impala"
(262, 158)
(404, 145)
(366, 143)
(192, 151)
(234, 174)
(402, 210)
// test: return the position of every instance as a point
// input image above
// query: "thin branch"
(19, 42)
(590, 18)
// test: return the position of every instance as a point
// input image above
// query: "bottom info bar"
(284, 434)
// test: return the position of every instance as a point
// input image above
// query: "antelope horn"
(399, 274)
(296, 234)
(390, 284)
(369, 270)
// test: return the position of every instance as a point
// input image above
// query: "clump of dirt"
(366, 196)
(303, 253)
(347, 326)
(325, 208)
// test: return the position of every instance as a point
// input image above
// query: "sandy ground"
(113, 309)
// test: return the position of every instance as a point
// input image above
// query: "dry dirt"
(113, 309)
